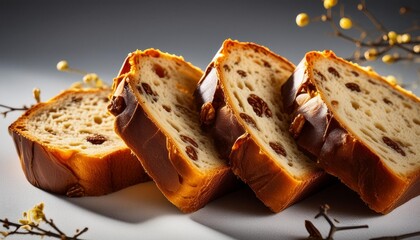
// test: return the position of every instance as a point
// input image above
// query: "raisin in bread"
(363, 130)
(157, 118)
(67, 146)
(242, 108)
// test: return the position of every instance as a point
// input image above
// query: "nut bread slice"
(363, 130)
(157, 118)
(67, 146)
(242, 108)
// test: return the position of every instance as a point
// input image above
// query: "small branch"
(323, 212)
(404, 236)
(373, 19)
(30, 225)
(12, 109)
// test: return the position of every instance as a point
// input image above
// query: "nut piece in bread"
(362, 129)
(67, 146)
(156, 116)
(242, 108)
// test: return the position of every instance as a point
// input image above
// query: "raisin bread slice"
(157, 118)
(363, 130)
(67, 146)
(242, 108)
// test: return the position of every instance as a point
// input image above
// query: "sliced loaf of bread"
(361, 128)
(67, 146)
(157, 118)
(242, 108)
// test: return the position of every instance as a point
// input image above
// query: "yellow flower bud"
(26, 227)
(405, 38)
(388, 59)
(330, 3)
(416, 48)
(392, 36)
(346, 23)
(371, 54)
(302, 19)
(62, 65)
(23, 221)
(37, 94)
(90, 78)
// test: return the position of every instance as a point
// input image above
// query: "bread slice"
(157, 118)
(363, 130)
(67, 146)
(242, 108)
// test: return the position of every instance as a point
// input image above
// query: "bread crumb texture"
(165, 85)
(382, 117)
(253, 78)
(74, 121)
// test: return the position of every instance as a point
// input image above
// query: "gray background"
(97, 35)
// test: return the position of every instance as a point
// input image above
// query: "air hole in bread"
(266, 64)
(167, 108)
(97, 120)
(56, 115)
(387, 101)
(238, 60)
(368, 134)
(406, 105)
(240, 104)
(249, 86)
(368, 113)
(355, 105)
(174, 125)
(416, 121)
(373, 100)
(257, 62)
(50, 130)
(380, 127)
(156, 83)
(239, 85)
(84, 131)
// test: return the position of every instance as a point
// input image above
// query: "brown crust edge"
(69, 173)
(184, 187)
(340, 154)
(272, 185)
(248, 161)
